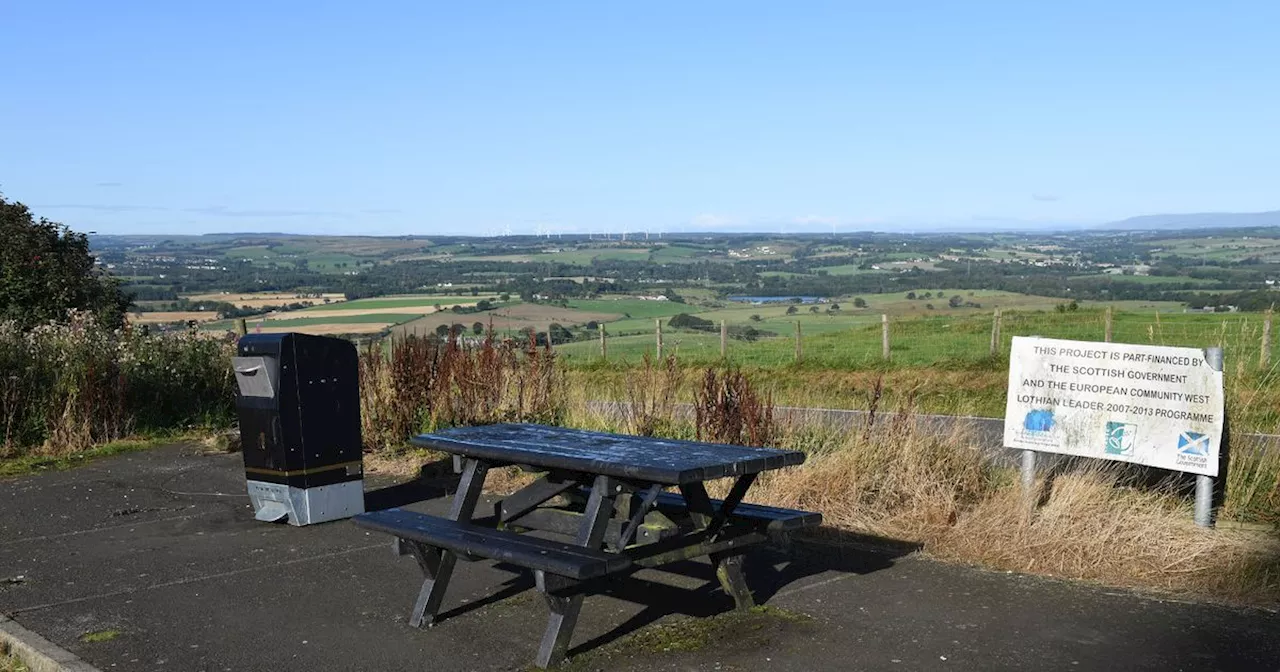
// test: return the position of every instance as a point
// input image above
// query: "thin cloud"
(224, 211)
(1046, 197)
(108, 184)
(381, 211)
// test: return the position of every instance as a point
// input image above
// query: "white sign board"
(1153, 405)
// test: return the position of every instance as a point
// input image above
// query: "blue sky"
(471, 117)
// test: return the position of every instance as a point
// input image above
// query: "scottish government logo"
(1121, 437)
(1193, 443)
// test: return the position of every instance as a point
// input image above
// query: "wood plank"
(666, 461)
(576, 562)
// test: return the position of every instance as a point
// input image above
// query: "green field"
(945, 341)
(847, 269)
(636, 308)
(255, 252)
(673, 253)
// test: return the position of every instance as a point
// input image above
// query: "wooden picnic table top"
(665, 461)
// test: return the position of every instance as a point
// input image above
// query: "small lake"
(775, 299)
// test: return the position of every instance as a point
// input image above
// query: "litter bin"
(299, 409)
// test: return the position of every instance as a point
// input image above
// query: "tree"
(955, 301)
(477, 328)
(755, 318)
(791, 310)
(559, 334)
(504, 297)
(911, 296)
(442, 330)
(46, 270)
(859, 302)
(814, 309)
(834, 306)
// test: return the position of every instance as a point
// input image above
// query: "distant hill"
(1201, 220)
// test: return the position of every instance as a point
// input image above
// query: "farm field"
(1152, 279)
(168, 316)
(427, 301)
(506, 319)
(1221, 248)
(362, 316)
(264, 299)
(938, 341)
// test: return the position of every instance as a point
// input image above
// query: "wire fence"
(968, 340)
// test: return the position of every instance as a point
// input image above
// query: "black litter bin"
(299, 409)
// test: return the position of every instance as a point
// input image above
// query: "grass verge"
(30, 464)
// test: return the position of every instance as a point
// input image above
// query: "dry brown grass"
(320, 329)
(264, 299)
(1093, 528)
(1092, 524)
(419, 384)
(894, 479)
(162, 317)
(651, 392)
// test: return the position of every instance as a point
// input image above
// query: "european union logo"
(1193, 443)
(1038, 421)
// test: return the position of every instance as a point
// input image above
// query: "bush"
(69, 386)
(686, 321)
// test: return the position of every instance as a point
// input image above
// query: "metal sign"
(1153, 405)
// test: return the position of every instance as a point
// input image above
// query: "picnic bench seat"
(777, 519)
(554, 557)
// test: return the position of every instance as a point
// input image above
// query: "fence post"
(657, 331)
(1205, 484)
(1107, 322)
(242, 327)
(799, 344)
(1264, 354)
(995, 332)
(884, 337)
(604, 348)
(724, 340)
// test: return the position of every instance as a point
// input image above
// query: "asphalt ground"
(153, 561)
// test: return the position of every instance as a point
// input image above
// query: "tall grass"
(898, 478)
(415, 385)
(65, 387)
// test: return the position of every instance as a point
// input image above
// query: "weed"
(728, 409)
(98, 636)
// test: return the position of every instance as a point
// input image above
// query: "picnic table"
(607, 493)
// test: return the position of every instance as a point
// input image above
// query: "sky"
(483, 117)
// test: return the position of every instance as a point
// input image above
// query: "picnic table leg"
(437, 581)
(729, 572)
(728, 565)
(565, 608)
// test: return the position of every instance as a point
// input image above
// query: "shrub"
(69, 386)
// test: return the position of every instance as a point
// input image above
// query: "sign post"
(1152, 405)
